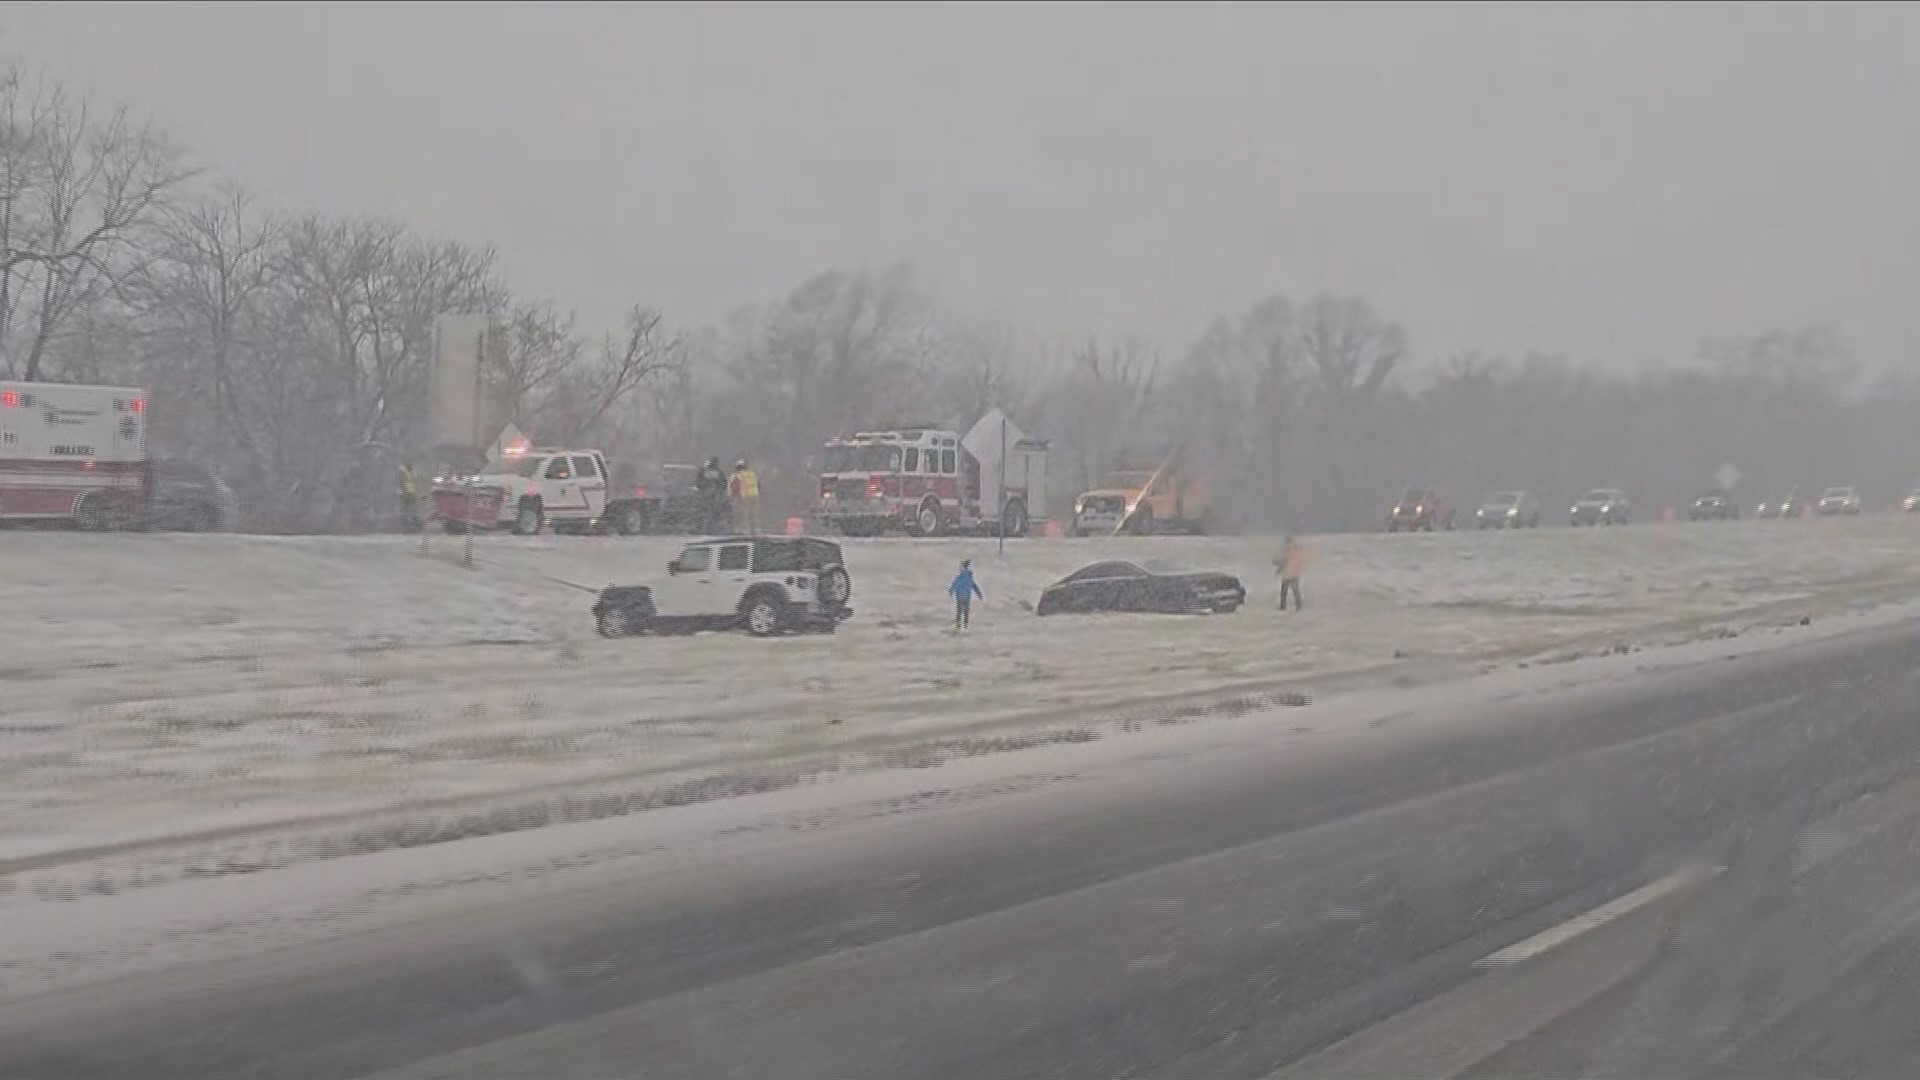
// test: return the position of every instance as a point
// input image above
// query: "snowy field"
(163, 684)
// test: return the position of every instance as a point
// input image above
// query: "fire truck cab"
(928, 481)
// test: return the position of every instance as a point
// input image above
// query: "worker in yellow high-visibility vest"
(743, 490)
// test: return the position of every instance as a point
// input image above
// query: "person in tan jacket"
(1288, 568)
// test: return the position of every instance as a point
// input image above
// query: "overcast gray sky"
(1613, 181)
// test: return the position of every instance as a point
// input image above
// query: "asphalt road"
(1710, 874)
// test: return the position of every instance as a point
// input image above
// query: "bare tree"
(585, 396)
(214, 260)
(366, 293)
(541, 347)
(844, 351)
(78, 190)
(975, 370)
(1100, 408)
(1348, 347)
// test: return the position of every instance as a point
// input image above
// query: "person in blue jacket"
(964, 589)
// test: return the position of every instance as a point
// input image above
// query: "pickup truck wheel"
(529, 520)
(613, 623)
(631, 522)
(762, 615)
(1143, 520)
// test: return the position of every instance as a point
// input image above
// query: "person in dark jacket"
(963, 589)
(711, 485)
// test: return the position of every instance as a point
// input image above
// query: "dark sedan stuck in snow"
(1125, 586)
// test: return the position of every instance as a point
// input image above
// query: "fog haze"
(1612, 182)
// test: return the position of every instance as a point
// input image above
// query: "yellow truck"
(1145, 501)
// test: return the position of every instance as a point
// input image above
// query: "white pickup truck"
(527, 490)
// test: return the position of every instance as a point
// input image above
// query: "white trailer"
(73, 453)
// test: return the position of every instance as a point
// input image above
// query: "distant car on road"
(1508, 510)
(1836, 501)
(1420, 509)
(1786, 506)
(1601, 506)
(1125, 586)
(1715, 505)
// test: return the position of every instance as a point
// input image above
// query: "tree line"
(293, 353)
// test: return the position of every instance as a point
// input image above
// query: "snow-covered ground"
(164, 684)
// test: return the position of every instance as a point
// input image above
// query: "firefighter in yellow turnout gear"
(743, 491)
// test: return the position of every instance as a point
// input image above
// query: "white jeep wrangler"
(764, 584)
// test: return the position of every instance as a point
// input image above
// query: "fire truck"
(73, 453)
(928, 481)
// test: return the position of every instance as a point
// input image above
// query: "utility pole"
(1003, 486)
(479, 359)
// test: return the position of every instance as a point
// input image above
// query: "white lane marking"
(1555, 936)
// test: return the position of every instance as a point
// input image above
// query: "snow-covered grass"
(162, 684)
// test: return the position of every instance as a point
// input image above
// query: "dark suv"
(1419, 510)
(187, 496)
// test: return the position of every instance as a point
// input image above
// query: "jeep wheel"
(631, 522)
(529, 520)
(613, 623)
(763, 615)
